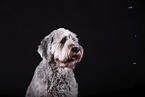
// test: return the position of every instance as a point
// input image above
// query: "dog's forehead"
(61, 32)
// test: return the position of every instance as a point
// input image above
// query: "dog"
(54, 76)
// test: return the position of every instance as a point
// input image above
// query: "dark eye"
(51, 40)
(73, 39)
(63, 40)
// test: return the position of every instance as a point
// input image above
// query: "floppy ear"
(44, 48)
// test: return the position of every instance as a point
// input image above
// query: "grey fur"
(51, 78)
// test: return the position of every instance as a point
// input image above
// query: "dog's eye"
(73, 39)
(63, 40)
(51, 40)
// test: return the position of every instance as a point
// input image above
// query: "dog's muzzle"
(75, 49)
(74, 56)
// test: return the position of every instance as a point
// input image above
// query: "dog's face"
(63, 46)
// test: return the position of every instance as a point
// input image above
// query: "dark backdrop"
(110, 31)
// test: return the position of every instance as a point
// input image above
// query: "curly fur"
(54, 75)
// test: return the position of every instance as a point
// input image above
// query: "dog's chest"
(63, 81)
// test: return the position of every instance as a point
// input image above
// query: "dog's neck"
(60, 69)
(69, 64)
(55, 65)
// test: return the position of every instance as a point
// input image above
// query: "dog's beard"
(65, 57)
(72, 58)
(70, 65)
(70, 62)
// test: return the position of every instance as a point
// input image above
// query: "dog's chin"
(71, 61)
(70, 65)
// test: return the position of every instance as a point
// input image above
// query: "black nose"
(75, 49)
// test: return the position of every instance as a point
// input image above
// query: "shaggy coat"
(54, 75)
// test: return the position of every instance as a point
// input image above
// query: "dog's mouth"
(74, 57)
(72, 60)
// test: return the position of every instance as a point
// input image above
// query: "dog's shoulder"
(41, 71)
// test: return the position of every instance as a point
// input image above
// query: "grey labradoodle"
(54, 77)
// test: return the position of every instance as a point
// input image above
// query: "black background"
(110, 32)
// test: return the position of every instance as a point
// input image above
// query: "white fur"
(50, 79)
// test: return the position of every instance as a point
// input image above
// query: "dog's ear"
(44, 47)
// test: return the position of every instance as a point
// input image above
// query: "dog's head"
(63, 46)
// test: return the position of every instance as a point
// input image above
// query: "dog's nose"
(75, 49)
